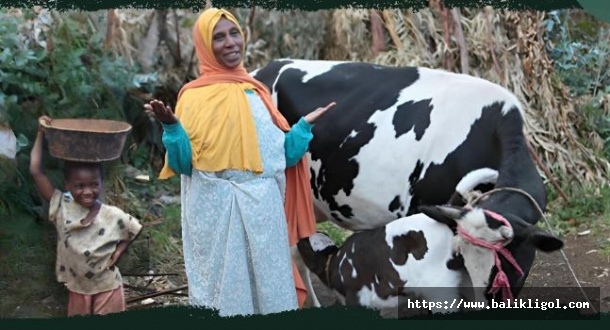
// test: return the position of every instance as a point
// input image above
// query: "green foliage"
(27, 265)
(76, 78)
(580, 48)
(580, 52)
(72, 77)
(140, 156)
(336, 233)
(587, 208)
(159, 246)
(596, 117)
(166, 237)
(584, 204)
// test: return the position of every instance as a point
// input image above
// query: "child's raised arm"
(44, 185)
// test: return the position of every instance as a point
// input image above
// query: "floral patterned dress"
(235, 239)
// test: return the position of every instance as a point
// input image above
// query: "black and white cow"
(422, 256)
(402, 137)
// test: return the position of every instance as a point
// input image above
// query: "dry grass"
(501, 46)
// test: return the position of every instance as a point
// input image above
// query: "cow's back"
(397, 138)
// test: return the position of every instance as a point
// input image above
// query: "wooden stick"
(179, 294)
(442, 11)
(109, 28)
(389, 24)
(144, 275)
(137, 288)
(249, 22)
(459, 35)
(491, 45)
(156, 294)
(446, 35)
(152, 223)
(138, 307)
(190, 67)
(177, 28)
(376, 32)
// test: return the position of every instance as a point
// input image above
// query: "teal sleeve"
(178, 146)
(297, 141)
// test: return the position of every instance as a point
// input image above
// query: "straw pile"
(502, 46)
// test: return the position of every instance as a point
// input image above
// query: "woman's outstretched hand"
(314, 115)
(164, 114)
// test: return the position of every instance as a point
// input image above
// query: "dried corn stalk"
(504, 47)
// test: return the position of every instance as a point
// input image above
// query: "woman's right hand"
(164, 114)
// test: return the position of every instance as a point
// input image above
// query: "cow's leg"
(305, 275)
(309, 286)
(351, 299)
(303, 270)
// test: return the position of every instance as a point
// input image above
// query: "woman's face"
(227, 44)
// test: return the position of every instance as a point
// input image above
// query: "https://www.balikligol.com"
(512, 303)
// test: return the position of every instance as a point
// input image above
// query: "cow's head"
(315, 251)
(492, 229)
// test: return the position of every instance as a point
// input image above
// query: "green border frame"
(189, 317)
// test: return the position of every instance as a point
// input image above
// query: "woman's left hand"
(314, 115)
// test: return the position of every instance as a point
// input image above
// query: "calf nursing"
(428, 255)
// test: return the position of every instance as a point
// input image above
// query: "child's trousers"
(112, 301)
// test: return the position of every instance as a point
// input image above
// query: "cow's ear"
(543, 240)
(533, 234)
(443, 214)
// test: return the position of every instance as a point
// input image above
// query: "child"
(91, 235)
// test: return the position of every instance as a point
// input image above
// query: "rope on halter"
(501, 280)
(475, 199)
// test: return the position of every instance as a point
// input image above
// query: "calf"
(426, 255)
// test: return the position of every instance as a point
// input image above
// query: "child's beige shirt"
(83, 251)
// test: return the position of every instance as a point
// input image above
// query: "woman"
(245, 183)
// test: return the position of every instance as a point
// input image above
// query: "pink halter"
(501, 280)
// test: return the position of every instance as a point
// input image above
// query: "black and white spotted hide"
(375, 268)
(415, 256)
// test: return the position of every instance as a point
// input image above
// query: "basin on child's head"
(86, 140)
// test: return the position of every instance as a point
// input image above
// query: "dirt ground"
(590, 266)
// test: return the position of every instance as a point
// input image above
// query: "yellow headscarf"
(214, 110)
